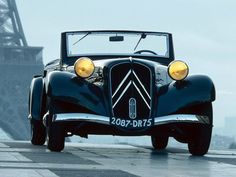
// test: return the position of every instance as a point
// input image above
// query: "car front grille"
(131, 90)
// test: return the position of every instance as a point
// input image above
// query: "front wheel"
(56, 137)
(159, 143)
(38, 133)
(200, 141)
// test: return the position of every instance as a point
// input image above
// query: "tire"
(159, 143)
(199, 143)
(38, 133)
(56, 137)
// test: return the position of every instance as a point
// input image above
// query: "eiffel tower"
(18, 63)
(13, 44)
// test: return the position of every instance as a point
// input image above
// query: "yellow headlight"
(178, 70)
(84, 67)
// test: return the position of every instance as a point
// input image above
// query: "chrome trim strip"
(29, 116)
(141, 84)
(122, 82)
(122, 94)
(81, 117)
(178, 118)
(141, 95)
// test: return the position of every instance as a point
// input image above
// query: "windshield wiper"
(143, 36)
(82, 38)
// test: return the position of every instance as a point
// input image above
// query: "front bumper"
(91, 118)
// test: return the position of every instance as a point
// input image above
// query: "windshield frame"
(65, 59)
(83, 35)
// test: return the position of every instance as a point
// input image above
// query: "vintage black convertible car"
(124, 83)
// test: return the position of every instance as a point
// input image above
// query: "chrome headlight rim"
(171, 64)
(79, 60)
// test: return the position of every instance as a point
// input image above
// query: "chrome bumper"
(175, 118)
(181, 118)
(81, 117)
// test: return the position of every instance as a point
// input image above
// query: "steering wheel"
(141, 51)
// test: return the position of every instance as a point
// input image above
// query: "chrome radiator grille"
(131, 90)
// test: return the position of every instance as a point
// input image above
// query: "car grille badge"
(132, 108)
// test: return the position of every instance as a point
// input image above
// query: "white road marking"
(103, 146)
(46, 173)
(4, 135)
(2, 145)
(13, 156)
(53, 166)
(134, 160)
(11, 172)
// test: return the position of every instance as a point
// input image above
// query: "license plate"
(131, 123)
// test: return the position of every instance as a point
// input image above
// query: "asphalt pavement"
(21, 159)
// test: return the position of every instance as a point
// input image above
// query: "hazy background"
(204, 33)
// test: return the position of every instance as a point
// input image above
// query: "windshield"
(82, 43)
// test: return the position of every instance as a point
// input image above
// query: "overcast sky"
(204, 32)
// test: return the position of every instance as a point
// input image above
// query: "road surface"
(21, 159)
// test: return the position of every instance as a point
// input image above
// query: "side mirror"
(116, 38)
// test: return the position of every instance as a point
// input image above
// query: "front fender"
(175, 96)
(35, 98)
(67, 87)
